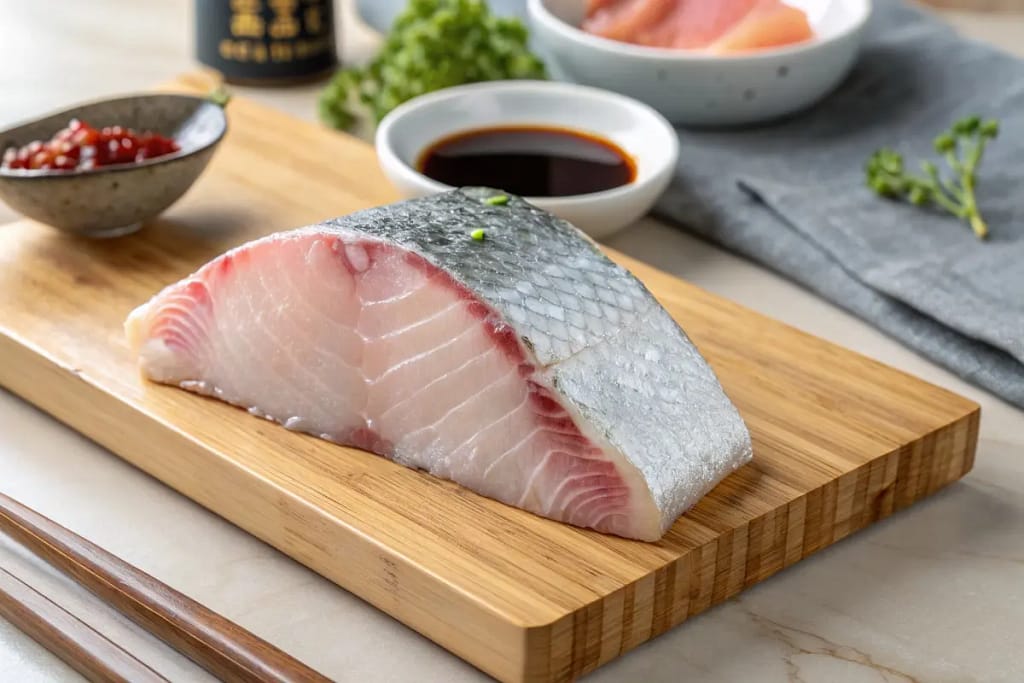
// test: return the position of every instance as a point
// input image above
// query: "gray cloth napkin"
(791, 195)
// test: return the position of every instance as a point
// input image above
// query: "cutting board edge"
(891, 483)
(571, 644)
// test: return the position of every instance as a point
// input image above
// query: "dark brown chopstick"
(85, 650)
(220, 646)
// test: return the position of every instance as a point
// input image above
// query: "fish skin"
(625, 373)
(543, 276)
(644, 387)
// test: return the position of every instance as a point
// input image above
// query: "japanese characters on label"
(275, 31)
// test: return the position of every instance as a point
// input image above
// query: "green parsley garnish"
(433, 44)
(962, 146)
(219, 96)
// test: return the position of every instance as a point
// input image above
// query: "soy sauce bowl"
(642, 133)
(115, 200)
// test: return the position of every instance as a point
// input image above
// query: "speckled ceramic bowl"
(115, 200)
(693, 88)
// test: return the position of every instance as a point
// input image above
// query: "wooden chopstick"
(84, 649)
(222, 647)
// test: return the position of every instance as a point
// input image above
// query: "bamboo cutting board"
(840, 441)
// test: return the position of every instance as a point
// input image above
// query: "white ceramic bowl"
(694, 88)
(641, 132)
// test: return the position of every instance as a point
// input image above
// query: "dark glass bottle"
(267, 42)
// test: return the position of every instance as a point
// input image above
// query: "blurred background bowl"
(695, 88)
(115, 200)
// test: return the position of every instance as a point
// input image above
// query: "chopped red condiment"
(82, 147)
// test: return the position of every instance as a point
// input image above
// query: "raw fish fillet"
(720, 26)
(625, 19)
(769, 24)
(525, 366)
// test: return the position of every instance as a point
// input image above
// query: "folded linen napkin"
(792, 196)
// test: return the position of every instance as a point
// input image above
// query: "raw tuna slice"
(769, 24)
(721, 26)
(694, 24)
(625, 19)
(525, 366)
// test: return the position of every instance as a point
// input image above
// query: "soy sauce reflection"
(529, 161)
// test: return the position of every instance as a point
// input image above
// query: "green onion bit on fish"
(497, 200)
(479, 233)
(962, 146)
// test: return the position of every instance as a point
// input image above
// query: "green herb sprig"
(433, 44)
(962, 147)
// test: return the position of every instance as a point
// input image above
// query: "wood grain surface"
(840, 441)
(76, 643)
(220, 646)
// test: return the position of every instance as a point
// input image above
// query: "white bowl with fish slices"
(693, 87)
(644, 135)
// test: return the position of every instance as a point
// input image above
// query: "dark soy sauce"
(529, 161)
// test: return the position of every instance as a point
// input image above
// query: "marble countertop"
(935, 593)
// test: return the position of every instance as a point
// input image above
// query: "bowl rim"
(538, 12)
(389, 158)
(49, 174)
